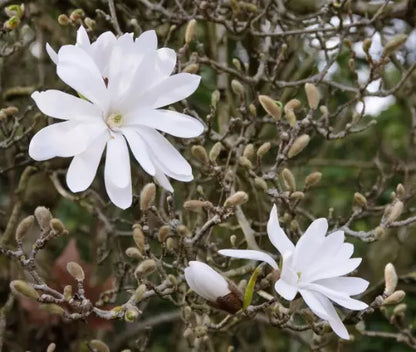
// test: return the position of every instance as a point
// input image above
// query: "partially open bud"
(395, 298)
(163, 234)
(236, 199)
(312, 94)
(237, 88)
(263, 149)
(190, 31)
(395, 212)
(215, 151)
(145, 268)
(12, 23)
(390, 279)
(298, 145)
(394, 44)
(23, 288)
(360, 200)
(270, 106)
(312, 179)
(199, 153)
(289, 180)
(209, 284)
(76, 271)
(43, 217)
(24, 227)
(99, 346)
(147, 196)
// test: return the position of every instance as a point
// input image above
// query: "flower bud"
(263, 149)
(163, 234)
(215, 151)
(400, 309)
(170, 244)
(394, 44)
(67, 292)
(11, 110)
(312, 179)
(63, 20)
(289, 180)
(147, 196)
(215, 98)
(270, 106)
(90, 23)
(233, 240)
(23, 288)
(243, 161)
(379, 232)
(138, 237)
(395, 212)
(99, 346)
(395, 298)
(236, 199)
(297, 195)
(57, 226)
(12, 23)
(367, 45)
(237, 88)
(77, 15)
(140, 290)
(51, 347)
(75, 270)
(43, 217)
(14, 10)
(248, 151)
(400, 190)
(133, 252)
(312, 94)
(145, 268)
(293, 104)
(209, 284)
(190, 31)
(191, 68)
(298, 145)
(131, 314)
(52, 308)
(199, 153)
(252, 109)
(236, 64)
(360, 199)
(195, 204)
(24, 227)
(260, 183)
(390, 279)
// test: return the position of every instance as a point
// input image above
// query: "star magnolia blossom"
(314, 268)
(122, 83)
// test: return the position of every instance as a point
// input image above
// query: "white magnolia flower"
(315, 268)
(122, 82)
(209, 284)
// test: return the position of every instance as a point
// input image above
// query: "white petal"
(139, 150)
(65, 106)
(285, 290)
(77, 69)
(323, 308)
(250, 254)
(52, 53)
(101, 50)
(117, 163)
(170, 90)
(172, 122)
(121, 197)
(349, 285)
(170, 160)
(82, 38)
(84, 166)
(162, 180)
(166, 61)
(63, 139)
(205, 281)
(276, 235)
(146, 41)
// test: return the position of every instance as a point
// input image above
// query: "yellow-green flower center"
(114, 120)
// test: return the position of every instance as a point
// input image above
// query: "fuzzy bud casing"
(395, 298)
(199, 153)
(270, 106)
(24, 227)
(75, 270)
(312, 94)
(23, 288)
(43, 217)
(145, 268)
(215, 151)
(289, 180)
(147, 196)
(312, 179)
(390, 278)
(298, 145)
(190, 31)
(236, 199)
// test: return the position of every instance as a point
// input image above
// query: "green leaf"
(248, 295)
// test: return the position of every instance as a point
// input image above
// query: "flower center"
(114, 121)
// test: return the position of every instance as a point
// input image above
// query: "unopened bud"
(312, 179)
(190, 31)
(67, 292)
(297, 195)
(77, 15)
(298, 145)
(260, 183)
(249, 151)
(163, 233)
(367, 45)
(76, 271)
(237, 88)
(289, 180)
(51, 347)
(90, 23)
(395, 212)
(395, 298)
(379, 232)
(191, 68)
(188, 334)
(215, 98)
(131, 315)
(52, 308)
(233, 240)
(23, 288)
(133, 252)
(170, 244)
(57, 226)
(11, 110)
(43, 217)
(394, 44)
(183, 231)
(360, 199)
(199, 153)
(145, 268)
(140, 290)
(243, 161)
(24, 227)
(390, 279)
(147, 196)
(270, 106)
(215, 152)
(400, 190)
(138, 237)
(263, 149)
(293, 104)
(99, 346)
(63, 20)
(400, 309)
(236, 199)
(236, 64)
(253, 109)
(195, 204)
(312, 94)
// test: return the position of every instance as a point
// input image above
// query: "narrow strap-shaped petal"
(250, 254)
(52, 53)
(349, 285)
(120, 196)
(163, 181)
(276, 235)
